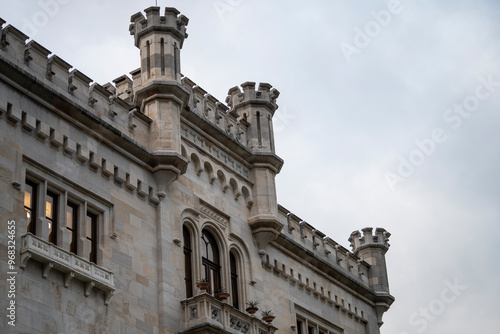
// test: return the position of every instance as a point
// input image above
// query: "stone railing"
(73, 266)
(204, 313)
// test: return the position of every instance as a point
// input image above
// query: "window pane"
(234, 280)
(299, 327)
(49, 207)
(210, 252)
(28, 195)
(187, 237)
(210, 260)
(91, 234)
(71, 225)
(51, 215)
(30, 205)
(187, 262)
(69, 217)
(88, 227)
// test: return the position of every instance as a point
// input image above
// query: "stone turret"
(257, 107)
(372, 248)
(160, 39)
(159, 93)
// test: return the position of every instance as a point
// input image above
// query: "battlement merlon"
(265, 95)
(170, 23)
(12, 35)
(378, 240)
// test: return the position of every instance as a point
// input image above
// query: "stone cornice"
(302, 254)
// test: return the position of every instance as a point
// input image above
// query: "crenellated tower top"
(257, 107)
(378, 240)
(160, 39)
(171, 23)
(265, 96)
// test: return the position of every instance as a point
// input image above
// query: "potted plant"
(221, 295)
(203, 285)
(268, 316)
(252, 307)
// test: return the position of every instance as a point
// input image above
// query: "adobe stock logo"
(421, 318)
(48, 10)
(224, 6)
(453, 116)
(282, 118)
(363, 38)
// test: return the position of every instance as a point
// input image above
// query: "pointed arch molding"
(212, 213)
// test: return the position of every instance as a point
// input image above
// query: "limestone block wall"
(44, 69)
(40, 142)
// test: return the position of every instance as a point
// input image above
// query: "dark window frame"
(188, 268)
(92, 256)
(52, 221)
(31, 224)
(73, 230)
(211, 267)
(233, 264)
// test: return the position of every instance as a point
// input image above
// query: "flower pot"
(268, 319)
(222, 296)
(203, 286)
(251, 310)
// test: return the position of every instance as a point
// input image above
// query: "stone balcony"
(72, 265)
(206, 314)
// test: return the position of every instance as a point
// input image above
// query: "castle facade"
(146, 205)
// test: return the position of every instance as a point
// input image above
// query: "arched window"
(210, 260)
(188, 274)
(234, 280)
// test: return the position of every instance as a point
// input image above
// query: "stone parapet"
(113, 102)
(206, 314)
(321, 246)
(42, 68)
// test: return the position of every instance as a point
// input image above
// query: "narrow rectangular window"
(148, 59)
(259, 130)
(299, 326)
(30, 189)
(234, 280)
(51, 215)
(188, 276)
(270, 127)
(176, 60)
(162, 56)
(91, 235)
(71, 225)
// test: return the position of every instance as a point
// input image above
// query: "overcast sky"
(389, 117)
